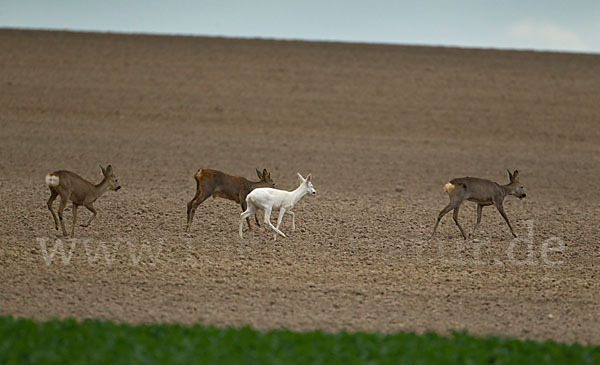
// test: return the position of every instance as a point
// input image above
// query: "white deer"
(268, 199)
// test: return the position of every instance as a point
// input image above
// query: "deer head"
(308, 183)
(515, 186)
(113, 183)
(265, 176)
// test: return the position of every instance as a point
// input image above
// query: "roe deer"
(269, 199)
(218, 184)
(483, 192)
(73, 187)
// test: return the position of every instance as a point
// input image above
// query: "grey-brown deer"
(78, 190)
(483, 192)
(219, 184)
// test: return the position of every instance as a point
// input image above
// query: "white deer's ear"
(309, 178)
(300, 177)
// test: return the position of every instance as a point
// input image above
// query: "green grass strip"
(25, 341)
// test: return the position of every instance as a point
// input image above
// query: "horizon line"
(304, 40)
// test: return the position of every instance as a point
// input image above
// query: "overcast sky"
(566, 25)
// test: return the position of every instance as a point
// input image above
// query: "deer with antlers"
(483, 192)
(219, 184)
(73, 187)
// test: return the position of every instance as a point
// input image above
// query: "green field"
(89, 342)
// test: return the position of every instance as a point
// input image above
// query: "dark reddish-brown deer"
(218, 184)
(73, 187)
(483, 192)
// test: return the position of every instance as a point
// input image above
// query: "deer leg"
(268, 221)
(293, 219)
(256, 219)
(53, 195)
(247, 213)
(279, 219)
(91, 208)
(455, 217)
(61, 209)
(449, 207)
(193, 205)
(75, 206)
(479, 211)
(503, 214)
(244, 203)
(244, 206)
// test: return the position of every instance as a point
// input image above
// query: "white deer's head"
(308, 183)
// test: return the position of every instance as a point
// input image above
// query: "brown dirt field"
(381, 128)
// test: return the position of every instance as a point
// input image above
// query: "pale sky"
(566, 25)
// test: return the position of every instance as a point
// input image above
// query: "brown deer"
(218, 184)
(73, 187)
(483, 192)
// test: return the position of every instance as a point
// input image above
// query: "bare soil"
(381, 128)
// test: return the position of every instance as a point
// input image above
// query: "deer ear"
(109, 168)
(300, 177)
(260, 176)
(309, 178)
(510, 176)
(103, 170)
(515, 176)
(265, 172)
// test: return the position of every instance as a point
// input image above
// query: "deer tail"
(449, 187)
(52, 180)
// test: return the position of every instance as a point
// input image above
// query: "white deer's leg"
(293, 219)
(267, 217)
(268, 221)
(249, 211)
(279, 218)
